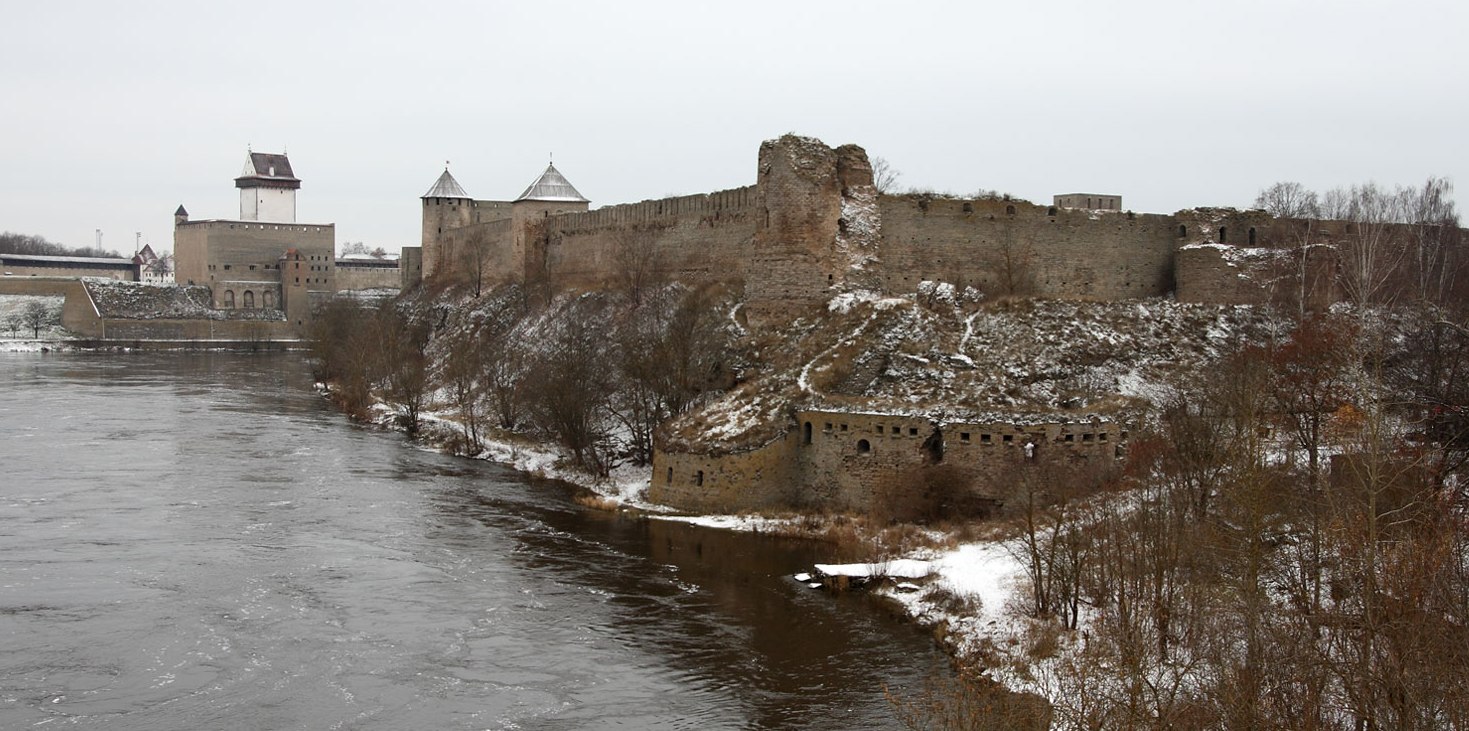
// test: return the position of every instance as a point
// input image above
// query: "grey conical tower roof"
(551, 186)
(446, 187)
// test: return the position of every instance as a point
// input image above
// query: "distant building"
(23, 265)
(152, 268)
(264, 258)
(1089, 201)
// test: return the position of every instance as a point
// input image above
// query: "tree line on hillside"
(597, 374)
(1402, 244)
(29, 245)
(1286, 545)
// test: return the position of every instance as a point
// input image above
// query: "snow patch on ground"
(901, 568)
(747, 523)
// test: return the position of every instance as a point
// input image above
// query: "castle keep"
(264, 259)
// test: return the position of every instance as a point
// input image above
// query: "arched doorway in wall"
(268, 299)
(229, 299)
(249, 300)
(806, 433)
(864, 446)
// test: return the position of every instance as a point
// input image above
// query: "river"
(200, 541)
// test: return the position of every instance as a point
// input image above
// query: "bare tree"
(1433, 220)
(1288, 200)
(461, 374)
(37, 314)
(343, 336)
(1014, 266)
(884, 176)
(570, 390)
(636, 262)
(475, 257)
(403, 338)
(1370, 254)
(351, 248)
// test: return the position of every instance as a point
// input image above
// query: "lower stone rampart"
(852, 462)
(763, 478)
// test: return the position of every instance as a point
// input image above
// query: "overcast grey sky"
(115, 113)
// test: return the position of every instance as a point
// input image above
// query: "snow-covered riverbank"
(970, 593)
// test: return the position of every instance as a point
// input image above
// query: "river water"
(199, 541)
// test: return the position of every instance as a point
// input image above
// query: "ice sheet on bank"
(902, 568)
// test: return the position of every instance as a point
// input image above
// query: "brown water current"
(200, 541)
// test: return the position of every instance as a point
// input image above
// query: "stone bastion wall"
(842, 461)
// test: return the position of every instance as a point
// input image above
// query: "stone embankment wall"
(843, 461)
(193, 329)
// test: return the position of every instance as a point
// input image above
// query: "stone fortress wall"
(1015, 248)
(812, 226)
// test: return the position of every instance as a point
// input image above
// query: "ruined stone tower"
(816, 231)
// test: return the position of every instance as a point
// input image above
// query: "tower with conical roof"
(551, 187)
(548, 195)
(453, 221)
(446, 207)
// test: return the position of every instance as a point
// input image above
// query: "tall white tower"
(267, 188)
